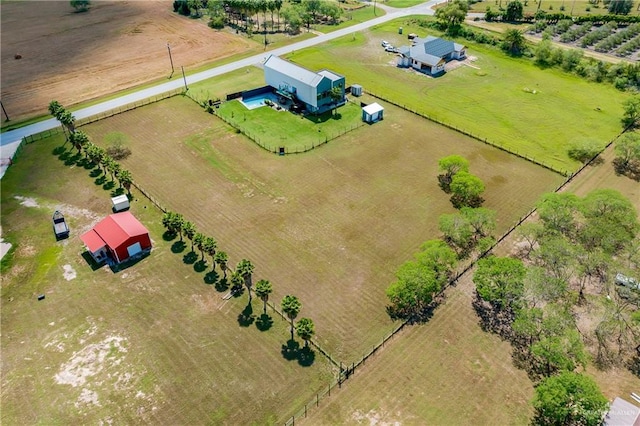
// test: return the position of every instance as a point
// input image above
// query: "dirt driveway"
(74, 57)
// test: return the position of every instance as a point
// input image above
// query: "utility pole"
(185, 79)
(170, 59)
(4, 110)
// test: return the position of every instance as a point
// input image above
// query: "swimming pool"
(258, 101)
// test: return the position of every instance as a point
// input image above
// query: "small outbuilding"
(372, 113)
(117, 238)
(120, 203)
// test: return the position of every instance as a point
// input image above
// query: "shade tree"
(411, 294)
(449, 166)
(466, 190)
(569, 399)
(500, 281)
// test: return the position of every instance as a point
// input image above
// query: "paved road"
(9, 141)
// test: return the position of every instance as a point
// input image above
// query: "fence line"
(276, 150)
(471, 135)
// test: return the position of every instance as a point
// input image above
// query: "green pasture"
(569, 7)
(509, 102)
(153, 343)
(272, 129)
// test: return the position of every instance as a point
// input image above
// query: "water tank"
(356, 90)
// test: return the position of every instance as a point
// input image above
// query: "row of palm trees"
(98, 156)
(242, 275)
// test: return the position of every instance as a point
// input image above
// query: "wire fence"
(471, 135)
(274, 147)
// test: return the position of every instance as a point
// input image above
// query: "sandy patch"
(26, 201)
(87, 397)
(373, 418)
(4, 248)
(90, 361)
(69, 273)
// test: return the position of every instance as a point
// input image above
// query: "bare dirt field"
(74, 57)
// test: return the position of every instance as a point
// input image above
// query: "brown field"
(76, 57)
(152, 344)
(446, 372)
(330, 226)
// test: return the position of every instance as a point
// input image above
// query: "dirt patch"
(373, 418)
(69, 273)
(74, 57)
(90, 361)
(27, 202)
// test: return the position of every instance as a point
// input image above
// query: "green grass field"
(272, 129)
(510, 102)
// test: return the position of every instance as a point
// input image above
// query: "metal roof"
(294, 71)
(430, 50)
(112, 231)
(330, 75)
(373, 108)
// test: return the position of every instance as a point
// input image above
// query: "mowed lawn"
(446, 372)
(510, 102)
(272, 129)
(150, 344)
(330, 226)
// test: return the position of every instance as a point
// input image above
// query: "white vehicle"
(627, 282)
(390, 48)
(385, 43)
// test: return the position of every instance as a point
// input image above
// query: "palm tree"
(126, 180)
(178, 224)
(263, 290)
(514, 42)
(278, 6)
(168, 222)
(305, 330)
(245, 269)
(55, 108)
(236, 282)
(221, 259)
(210, 246)
(199, 239)
(291, 307)
(79, 140)
(68, 120)
(189, 230)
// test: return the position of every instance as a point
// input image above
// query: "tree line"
(241, 277)
(96, 155)
(414, 294)
(563, 273)
(251, 16)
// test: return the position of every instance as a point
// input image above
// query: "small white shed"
(120, 203)
(372, 113)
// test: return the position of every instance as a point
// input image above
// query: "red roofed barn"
(118, 236)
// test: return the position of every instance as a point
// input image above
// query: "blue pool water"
(258, 101)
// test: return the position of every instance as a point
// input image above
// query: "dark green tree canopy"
(500, 280)
(569, 399)
(412, 292)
